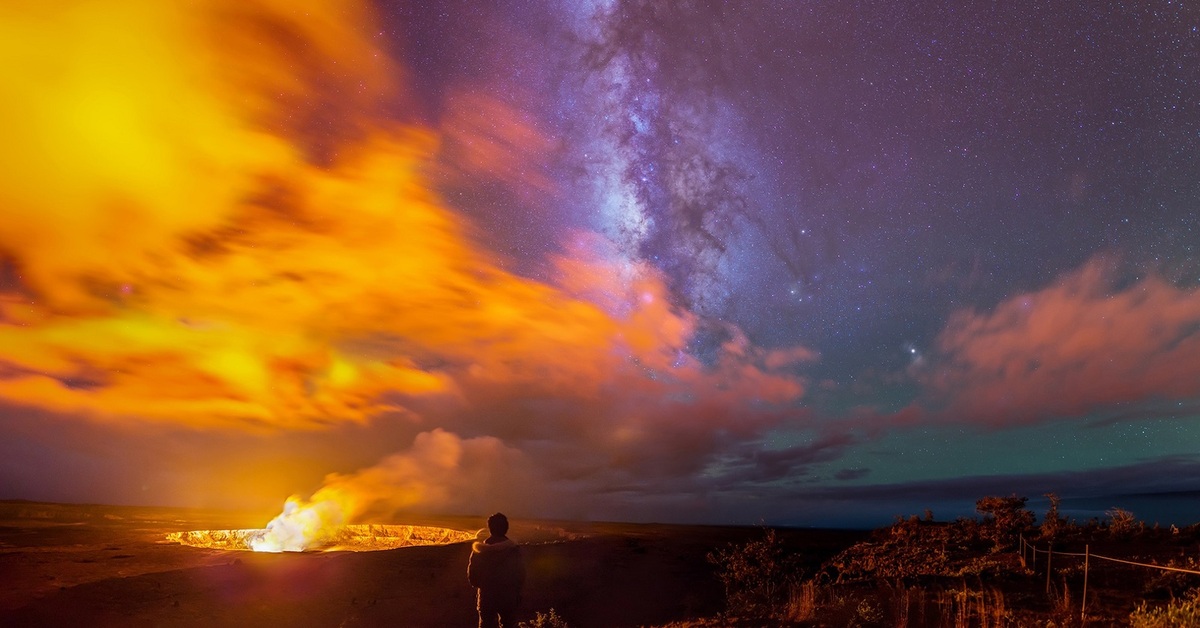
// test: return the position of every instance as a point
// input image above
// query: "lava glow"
(319, 525)
(349, 538)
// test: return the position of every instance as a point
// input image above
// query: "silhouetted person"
(497, 571)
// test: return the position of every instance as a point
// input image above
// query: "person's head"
(498, 524)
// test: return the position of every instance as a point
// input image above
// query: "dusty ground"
(68, 565)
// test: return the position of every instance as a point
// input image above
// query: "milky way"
(849, 178)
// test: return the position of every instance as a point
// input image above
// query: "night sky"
(811, 263)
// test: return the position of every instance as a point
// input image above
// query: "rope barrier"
(1162, 567)
(1035, 549)
(1087, 556)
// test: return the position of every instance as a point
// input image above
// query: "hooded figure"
(497, 571)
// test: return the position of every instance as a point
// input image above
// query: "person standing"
(497, 571)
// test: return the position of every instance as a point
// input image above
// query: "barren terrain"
(70, 565)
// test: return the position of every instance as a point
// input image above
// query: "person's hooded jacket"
(497, 570)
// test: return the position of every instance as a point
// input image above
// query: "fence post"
(1083, 603)
(1049, 556)
(1022, 541)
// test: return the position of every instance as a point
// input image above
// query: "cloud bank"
(225, 226)
(1086, 342)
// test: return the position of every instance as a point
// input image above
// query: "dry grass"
(1180, 613)
(1060, 599)
(802, 602)
(965, 608)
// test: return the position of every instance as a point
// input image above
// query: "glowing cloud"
(1080, 344)
(213, 225)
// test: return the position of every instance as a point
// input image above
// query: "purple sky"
(809, 263)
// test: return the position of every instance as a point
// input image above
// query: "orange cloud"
(1080, 344)
(213, 227)
(185, 251)
(119, 144)
(484, 138)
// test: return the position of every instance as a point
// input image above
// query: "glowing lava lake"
(346, 538)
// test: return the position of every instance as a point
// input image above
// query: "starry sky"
(808, 263)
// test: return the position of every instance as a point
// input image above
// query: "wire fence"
(1032, 551)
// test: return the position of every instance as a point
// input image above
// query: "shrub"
(1173, 583)
(1004, 519)
(1179, 613)
(545, 620)
(911, 549)
(868, 613)
(756, 575)
(1052, 524)
(1122, 523)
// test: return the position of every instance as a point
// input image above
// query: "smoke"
(222, 224)
(441, 472)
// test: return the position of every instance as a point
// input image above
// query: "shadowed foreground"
(66, 565)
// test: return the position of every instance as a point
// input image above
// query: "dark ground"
(71, 565)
